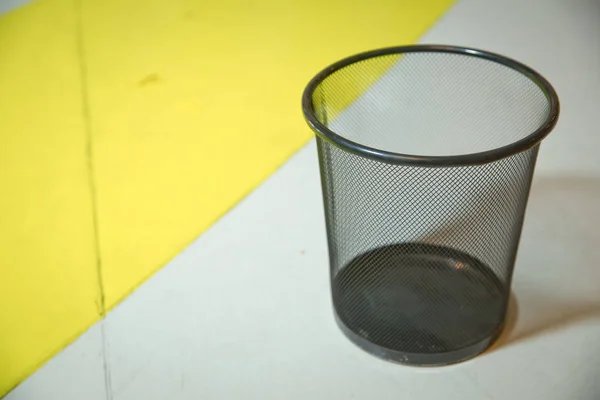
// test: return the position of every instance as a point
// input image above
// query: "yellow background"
(191, 105)
(48, 281)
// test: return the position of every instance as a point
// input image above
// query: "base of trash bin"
(419, 304)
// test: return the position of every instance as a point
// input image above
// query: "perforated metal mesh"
(421, 257)
(431, 104)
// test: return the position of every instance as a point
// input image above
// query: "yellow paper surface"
(192, 104)
(196, 102)
(48, 278)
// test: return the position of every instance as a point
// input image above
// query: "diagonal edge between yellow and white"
(191, 106)
(186, 125)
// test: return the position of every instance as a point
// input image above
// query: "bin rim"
(484, 157)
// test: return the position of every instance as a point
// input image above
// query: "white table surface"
(245, 313)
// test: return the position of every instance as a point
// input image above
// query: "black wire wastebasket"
(426, 154)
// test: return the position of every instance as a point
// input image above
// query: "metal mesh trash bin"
(426, 155)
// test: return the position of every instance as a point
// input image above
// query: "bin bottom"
(419, 304)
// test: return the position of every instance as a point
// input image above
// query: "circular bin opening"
(436, 105)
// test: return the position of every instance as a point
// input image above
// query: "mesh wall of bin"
(426, 155)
